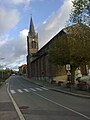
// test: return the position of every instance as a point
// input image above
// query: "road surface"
(40, 103)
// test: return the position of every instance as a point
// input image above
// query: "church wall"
(28, 66)
(43, 69)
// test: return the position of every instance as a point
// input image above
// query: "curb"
(62, 91)
(70, 93)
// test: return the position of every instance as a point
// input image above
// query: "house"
(23, 69)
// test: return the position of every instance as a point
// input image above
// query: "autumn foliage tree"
(73, 47)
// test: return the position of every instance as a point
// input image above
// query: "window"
(33, 44)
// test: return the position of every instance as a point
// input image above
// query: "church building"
(38, 65)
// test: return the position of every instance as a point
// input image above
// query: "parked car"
(13, 74)
(84, 83)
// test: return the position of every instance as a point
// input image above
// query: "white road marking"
(21, 117)
(65, 107)
(19, 90)
(26, 90)
(44, 88)
(38, 89)
(33, 89)
(13, 91)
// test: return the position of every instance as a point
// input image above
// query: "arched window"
(33, 44)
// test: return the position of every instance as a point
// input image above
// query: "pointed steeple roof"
(31, 28)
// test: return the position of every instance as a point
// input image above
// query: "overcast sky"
(49, 17)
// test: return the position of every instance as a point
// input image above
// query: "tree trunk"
(83, 69)
(73, 75)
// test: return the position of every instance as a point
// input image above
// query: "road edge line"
(21, 117)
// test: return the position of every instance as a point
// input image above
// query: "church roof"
(76, 27)
(68, 30)
(31, 28)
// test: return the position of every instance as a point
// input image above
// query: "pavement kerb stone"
(62, 91)
(71, 93)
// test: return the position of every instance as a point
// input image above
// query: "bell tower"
(32, 47)
(32, 40)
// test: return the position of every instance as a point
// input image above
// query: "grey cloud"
(8, 19)
(14, 51)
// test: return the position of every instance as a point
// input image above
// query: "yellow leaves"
(72, 46)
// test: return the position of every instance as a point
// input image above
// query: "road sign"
(68, 67)
(68, 73)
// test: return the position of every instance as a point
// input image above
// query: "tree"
(73, 47)
(79, 44)
(80, 12)
(58, 51)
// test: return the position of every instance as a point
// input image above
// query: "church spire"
(31, 28)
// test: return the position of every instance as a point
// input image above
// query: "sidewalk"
(73, 91)
(7, 110)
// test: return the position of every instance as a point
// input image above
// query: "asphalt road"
(40, 103)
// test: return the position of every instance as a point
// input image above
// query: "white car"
(13, 74)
